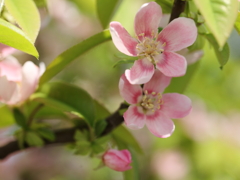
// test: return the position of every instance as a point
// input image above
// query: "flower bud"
(117, 160)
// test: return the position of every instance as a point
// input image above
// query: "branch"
(178, 8)
(67, 135)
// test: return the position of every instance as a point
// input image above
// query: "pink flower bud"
(117, 160)
(17, 82)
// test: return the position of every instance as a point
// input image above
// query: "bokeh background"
(205, 144)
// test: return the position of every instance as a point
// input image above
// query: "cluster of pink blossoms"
(157, 63)
(17, 82)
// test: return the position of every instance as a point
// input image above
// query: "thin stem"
(33, 113)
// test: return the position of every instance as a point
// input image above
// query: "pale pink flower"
(17, 82)
(148, 105)
(6, 50)
(153, 49)
(117, 160)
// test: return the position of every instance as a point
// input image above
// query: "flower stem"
(178, 8)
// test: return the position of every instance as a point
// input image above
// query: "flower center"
(151, 101)
(149, 47)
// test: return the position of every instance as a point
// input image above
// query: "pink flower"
(148, 105)
(117, 160)
(17, 83)
(6, 50)
(153, 49)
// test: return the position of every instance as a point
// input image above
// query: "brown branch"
(178, 8)
(67, 135)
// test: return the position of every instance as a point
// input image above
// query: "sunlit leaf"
(106, 9)
(223, 54)
(15, 37)
(6, 117)
(69, 55)
(26, 15)
(237, 23)
(220, 16)
(68, 98)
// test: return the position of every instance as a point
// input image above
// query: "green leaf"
(220, 16)
(41, 3)
(166, 5)
(97, 148)
(82, 147)
(79, 135)
(222, 55)
(198, 44)
(20, 118)
(179, 84)
(99, 127)
(237, 23)
(6, 118)
(100, 111)
(15, 37)
(33, 139)
(46, 133)
(122, 134)
(26, 15)
(69, 55)
(68, 98)
(105, 14)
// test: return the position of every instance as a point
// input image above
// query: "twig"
(178, 8)
(66, 135)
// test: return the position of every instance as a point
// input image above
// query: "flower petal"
(159, 124)
(7, 90)
(134, 117)
(141, 72)
(6, 50)
(11, 68)
(131, 93)
(176, 105)
(30, 77)
(192, 56)
(122, 40)
(158, 82)
(178, 34)
(171, 64)
(147, 19)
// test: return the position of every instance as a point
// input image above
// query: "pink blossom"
(17, 82)
(117, 160)
(148, 105)
(153, 49)
(6, 50)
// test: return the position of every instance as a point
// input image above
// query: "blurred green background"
(205, 145)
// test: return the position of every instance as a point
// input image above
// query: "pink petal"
(134, 117)
(172, 64)
(141, 72)
(122, 40)
(158, 82)
(176, 105)
(127, 155)
(6, 50)
(147, 19)
(160, 125)
(178, 34)
(131, 93)
(192, 56)
(30, 77)
(11, 68)
(7, 90)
